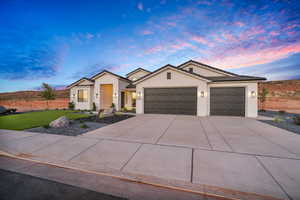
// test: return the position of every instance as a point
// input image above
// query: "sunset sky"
(59, 42)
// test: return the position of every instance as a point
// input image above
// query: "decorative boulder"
(109, 111)
(60, 122)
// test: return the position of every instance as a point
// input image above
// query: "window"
(191, 69)
(168, 75)
(82, 95)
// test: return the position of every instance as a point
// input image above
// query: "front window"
(133, 99)
(82, 95)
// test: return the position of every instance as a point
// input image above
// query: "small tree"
(263, 96)
(48, 92)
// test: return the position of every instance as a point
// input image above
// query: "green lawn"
(35, 119)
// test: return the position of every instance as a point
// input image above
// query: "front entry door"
(106, 99)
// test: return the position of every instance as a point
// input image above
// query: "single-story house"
(192, 88)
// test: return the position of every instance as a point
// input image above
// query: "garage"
(170, 100)
(227, 101)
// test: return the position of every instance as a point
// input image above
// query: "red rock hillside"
(283, 95)
(32, 100)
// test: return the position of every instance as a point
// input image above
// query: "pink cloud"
(140, 6)
(146, 32)
(154, 49)
(181, 45)
(171, 24)
(204, 2)
(243, 57)
(254, 31)
(240, 24)
(202, 40)
(229, 37)
(274, 33)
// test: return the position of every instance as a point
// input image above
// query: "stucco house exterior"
(191, 88)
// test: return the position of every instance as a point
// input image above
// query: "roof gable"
(193, 75)
(137, 70)
(82, 81)
(210, 69)
(108, 72)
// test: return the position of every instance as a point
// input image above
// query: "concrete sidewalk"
(234, 153)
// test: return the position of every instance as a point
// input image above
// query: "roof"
(136, 70)
(106, 71)
(131, 86)
(210, 67)
(76, 82)
(235, 78)
(173, 67)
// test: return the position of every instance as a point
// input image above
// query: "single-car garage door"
(227, 101)
(170, 100)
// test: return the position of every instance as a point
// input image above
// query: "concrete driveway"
(229, 152)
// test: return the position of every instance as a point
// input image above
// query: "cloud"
(282, 69)
(140, 6)
(146, 32)
(96, 68)
(244, 57)
(28, 54)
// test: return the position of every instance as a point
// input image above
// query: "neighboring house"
(191, 88)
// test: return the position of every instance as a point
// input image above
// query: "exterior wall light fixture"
(97, 95)
(139, 95)
(115, 95)
(201, 94)
(253, 94)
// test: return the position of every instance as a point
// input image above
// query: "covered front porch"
(128, 99)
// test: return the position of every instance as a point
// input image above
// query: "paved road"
(16, 186)
(22, 180)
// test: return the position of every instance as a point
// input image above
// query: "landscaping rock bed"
(80, 126)
(109, 119)
(287, 122)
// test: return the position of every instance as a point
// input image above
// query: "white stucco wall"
(118, 85)
(178, 79)
(202, 70)
(137, 75)
(74, 97)
(251, 102)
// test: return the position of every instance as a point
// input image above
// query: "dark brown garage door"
(227, 101)
(171, 101)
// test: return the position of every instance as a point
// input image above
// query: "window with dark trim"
(191, 69)
(168, 75)
(82, 95)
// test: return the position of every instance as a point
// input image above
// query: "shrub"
(278, 119)
(297, 120)
(281, 112)
(71, 105)
(94, 106)
(262, 110)
(83, 125)
(46, 126)
(101, 114)
(113, 105)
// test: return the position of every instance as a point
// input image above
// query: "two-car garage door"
(170, 100)
(223, 101)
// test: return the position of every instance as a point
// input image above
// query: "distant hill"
(31, 95)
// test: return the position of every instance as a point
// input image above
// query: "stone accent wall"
(32, 100)
(283, 95)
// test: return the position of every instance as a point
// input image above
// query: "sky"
(58, 42)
